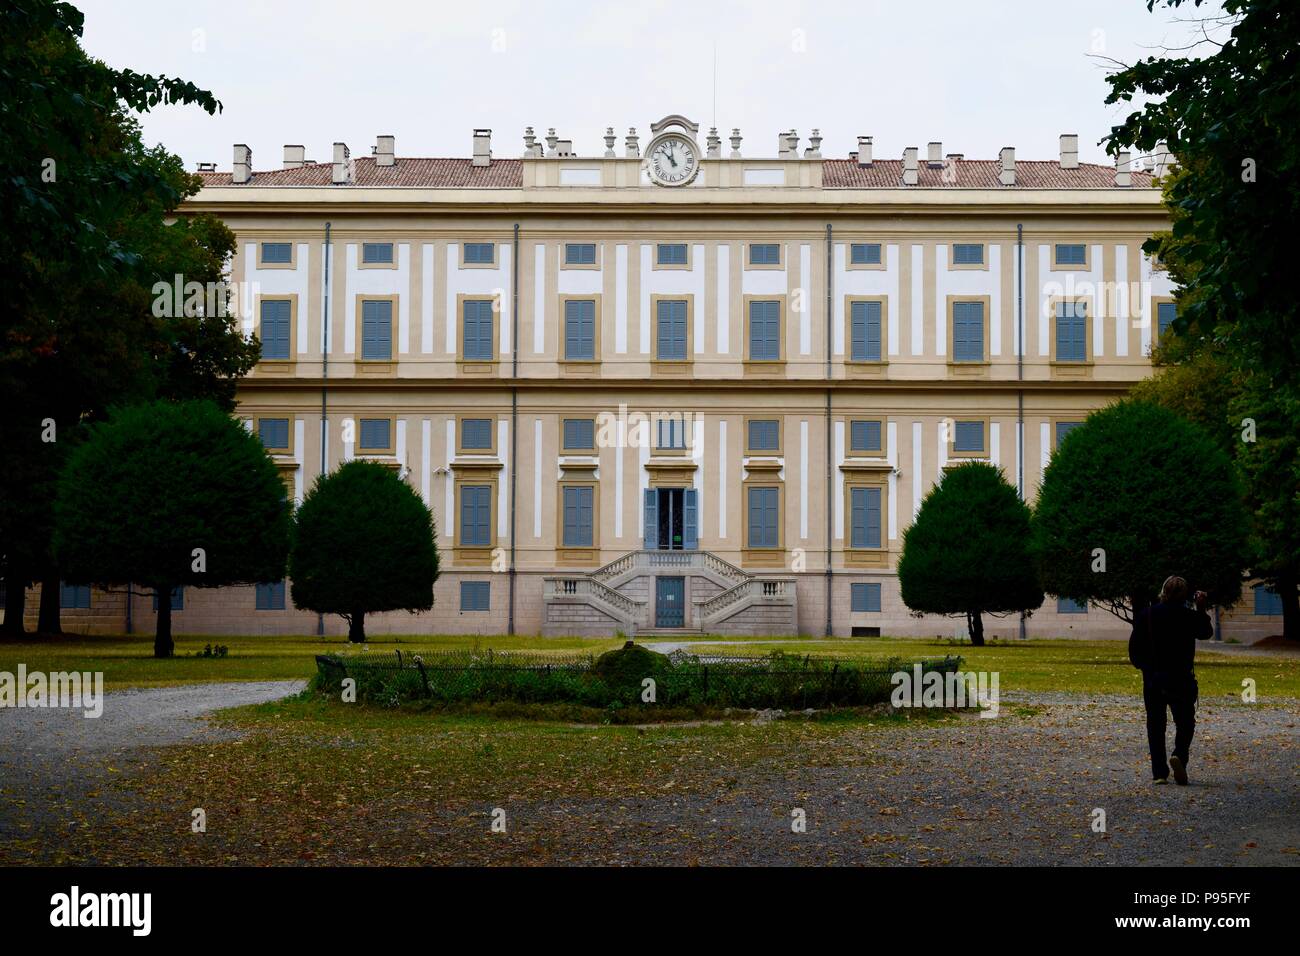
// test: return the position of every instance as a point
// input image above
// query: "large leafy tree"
(967, 553)
(89, 229)
(171, 494)
(1228, 113)
(362, 542)
(1134, 494)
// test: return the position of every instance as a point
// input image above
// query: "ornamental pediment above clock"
(672, 157)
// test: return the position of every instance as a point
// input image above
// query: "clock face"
(673, 160)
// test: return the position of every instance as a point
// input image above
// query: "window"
(864, 254)
(178, 599)
(376, 330)
(671, 433)
(477, 330)
(579, 253)
(475, 595)
(274, 433)
(270, 596)
(764, 254)
(1071, 331)
(1166, 312)
(765, 331)
(1071, 254)
(376, 253)
(479, 253)
(376, 435)
(864, 321)
(580, 330)
(864, 436)
(476, 434)
(865, 598)
(578, 509)
(276, 316)
(764, 435)
(1063, 429)
(671, 336)
(579, 434)
(968, 254)
(672, 254)
(864, 517)
(968, 331)
(1065, 605)
(764, 506)
(277, 253)
(968, 437)
(1268, 603)
(74, 596)
(476, 515)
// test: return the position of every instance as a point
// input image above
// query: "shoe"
(1180, 772)
(1160, 780)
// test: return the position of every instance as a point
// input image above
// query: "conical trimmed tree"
(1135, 494)
(362, 542)
(968, 553)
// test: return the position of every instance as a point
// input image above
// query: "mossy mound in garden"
(630, 664)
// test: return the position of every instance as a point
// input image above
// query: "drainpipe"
(1020, 374)
(324, 378)
(514, 416)
(830, 282)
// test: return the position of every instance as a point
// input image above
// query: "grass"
(1097, 667)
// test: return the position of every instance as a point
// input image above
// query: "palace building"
(672, 386)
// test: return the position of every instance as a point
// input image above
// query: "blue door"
(670, 602)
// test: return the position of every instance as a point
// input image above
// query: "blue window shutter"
(375, 434)
(1065, 605)
(865, 597)
(672, 254)
(476, 434)
(578, 517)
(476, 515)
(672, 330)
(762, 507)
(1063, 429)
(650, 510)
(764, 435)
(968, 254)
(475, 595)
(690, 519)
(274, 432)
(764, 254)
(275, 329)
(865, 254)
(479, 253)
(865, 326)
(968, 436)
(277, 253)
(1267, 601)
(865, 525)
(377, 329)
(579, 433)
(478, 328)
(765, 331)
(376, 252)
(864, 436)
(1166, 312)
(580, 254)
(580, 329)
(968, 331)
(1071, 255)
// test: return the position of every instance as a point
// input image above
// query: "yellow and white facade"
(769, 361)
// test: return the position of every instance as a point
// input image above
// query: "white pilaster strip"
(918, 295)
(995, 299)
(453, 266)
(1038, 302)
(619, 451)
(303, 327)
(697, 454)
(642, 483)
(803, 480)
(620, 300)
(1121, 302)
(891, 455)
(995, 443)
(426, 439)
(449, 483)
(646, 250)
(839, 481)
(1045, 446)
(503, 486)
(805, 299)
(722, 481)
(916, 468)
(399, 446)
(537, 479)
(724, 306)
(539, 299)
(299, 433)
(403, 300)
(426, 299)
(891, 258)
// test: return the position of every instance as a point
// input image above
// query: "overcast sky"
(974, 74)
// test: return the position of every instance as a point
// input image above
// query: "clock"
(672, 159)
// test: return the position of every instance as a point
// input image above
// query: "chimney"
(294, 156)
(864, 150)
(482, 148)
(610, 140)
(563, 147)
(934, 157)
(384, 150)
(633, 149)
(735, 144)
(1164, 159)
(532, 148)
(1069, 151)
(713, 144)
(1122, 175)
(1007, 175)
(814, 150)
(243, 168)
(207, 167)
(342, 165)
(787, 145)
(909, 166)
(551, 139)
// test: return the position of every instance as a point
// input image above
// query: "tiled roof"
(973, 174)
(424, 173)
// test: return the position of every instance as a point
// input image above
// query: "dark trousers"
(1178, 694)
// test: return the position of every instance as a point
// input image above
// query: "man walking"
(1163, 645)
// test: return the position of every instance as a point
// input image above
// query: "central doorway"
(671, 519)
(670, 602)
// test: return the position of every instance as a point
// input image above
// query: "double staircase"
(626, 596)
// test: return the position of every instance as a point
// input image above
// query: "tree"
(89, 228)
(967, 552)
(362, 542)
(171, 494)
(1133, 495)
(1229, 118)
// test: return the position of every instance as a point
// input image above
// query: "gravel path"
(52, 761)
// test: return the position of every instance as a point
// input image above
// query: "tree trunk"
(15, 605)
(975, 621)
(162, 635)
(357, 627)
(1286, 588)
(47, 619)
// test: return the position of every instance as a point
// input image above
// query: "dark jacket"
(1165, 635)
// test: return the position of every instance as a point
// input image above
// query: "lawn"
(1034, 665)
